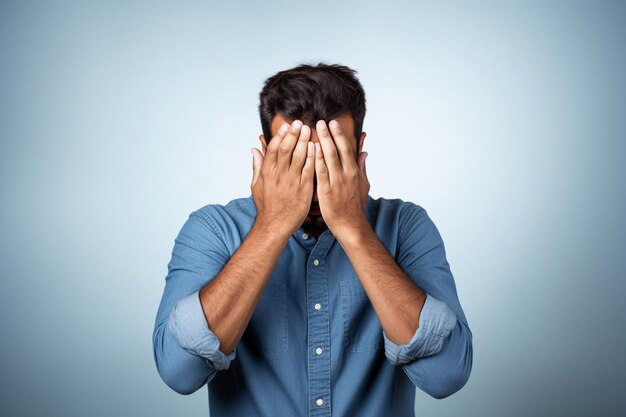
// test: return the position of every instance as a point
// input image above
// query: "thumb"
(257, 161)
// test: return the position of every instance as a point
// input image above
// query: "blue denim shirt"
(314, 345)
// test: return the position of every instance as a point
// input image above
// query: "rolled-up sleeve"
(435, 324)
(189, 327)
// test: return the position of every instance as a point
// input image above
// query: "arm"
(444, 365)
(208, 298)
(421, 332)
(282, 185)
(199, 323)
(415, 298)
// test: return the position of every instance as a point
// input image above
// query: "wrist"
(272, 230)
(354, 233)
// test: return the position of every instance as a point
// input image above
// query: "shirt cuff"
(191, 330)
(436, 322)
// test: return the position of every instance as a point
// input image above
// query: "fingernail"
(333, 123)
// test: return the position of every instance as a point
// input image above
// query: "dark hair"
(311, 93)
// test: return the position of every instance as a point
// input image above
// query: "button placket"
(318, 331)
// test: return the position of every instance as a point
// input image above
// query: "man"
(309, 297)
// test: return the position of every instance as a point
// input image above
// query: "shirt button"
(318, 306)
(305, 236)
(316, 262)
(319, 350)
(319, 402)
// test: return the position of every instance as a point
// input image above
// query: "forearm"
(229, 300)
(396, 300)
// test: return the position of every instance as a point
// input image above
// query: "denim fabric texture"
(314, 345)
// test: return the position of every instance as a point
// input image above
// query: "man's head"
(310, 93)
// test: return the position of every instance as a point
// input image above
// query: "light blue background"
(505, 120)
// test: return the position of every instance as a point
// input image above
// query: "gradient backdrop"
(505, 120)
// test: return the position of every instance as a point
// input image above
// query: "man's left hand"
(342, 184)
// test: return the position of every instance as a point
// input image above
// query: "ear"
(363, 134)
(263, 143)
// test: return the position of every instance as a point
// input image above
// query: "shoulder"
(237, 210)
(228, 222)
(396, 208)
(409, 219)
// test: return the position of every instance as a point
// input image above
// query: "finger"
(346, 155)
(285, 149)
(309, 166)
(257, 161)
(272, 147)
(300, 154)
(330, 158)
(321, 169)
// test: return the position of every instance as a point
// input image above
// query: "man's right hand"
(282, 183)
